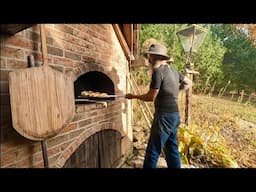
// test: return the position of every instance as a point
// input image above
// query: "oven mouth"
(95, 82)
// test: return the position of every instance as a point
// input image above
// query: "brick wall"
(73, 49)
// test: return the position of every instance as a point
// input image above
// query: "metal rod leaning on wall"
(145, 104)
(140, 105)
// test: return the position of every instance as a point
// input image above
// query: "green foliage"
(166, 34)
(239, 64)
(202, 145)
(208, 61)
(226, 54)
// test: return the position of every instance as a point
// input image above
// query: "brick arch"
(79, 140)
(88, 67)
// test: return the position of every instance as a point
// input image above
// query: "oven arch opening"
(94, 81)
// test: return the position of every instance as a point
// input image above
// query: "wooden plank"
(102, 150)
(43, 44)
(128, 33)
(123, 42)
(136, 33)
(11, 29)
(42, 101)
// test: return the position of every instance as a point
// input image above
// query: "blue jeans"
(163, 136)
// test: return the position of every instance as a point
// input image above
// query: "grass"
(222, 132)
(220, 106)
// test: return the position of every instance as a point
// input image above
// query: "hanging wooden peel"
(42, 99)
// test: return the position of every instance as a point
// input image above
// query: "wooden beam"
(43, 43)
(123, 42)
(136, 33)
(11, 29)
(128, 33)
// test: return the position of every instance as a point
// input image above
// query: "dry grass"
(222, 134)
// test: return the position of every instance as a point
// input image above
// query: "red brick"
(33, 36)
(16, 64)
(36, 148)
(8, 158)
(126, 146)
(37, 157)
(104, 38)
(12, 53)
(72, 55)
(93, 113)
(22, 43)
(25, 163)
(106, 57)
(88, 59)
(95, 54)
(55, 34)
(69, 72)
(79, 108)
(75, 133)
(75, 26)
(63, 61)
(69, 127)
(21, 33)
(63, 146)
(39, 165)
(23, 153)
(101, 105)
(82, 35)
(4, 87)
(78, 116)
(84, 27)
(34, 28)
(4, 75)
(64, 28)
(80, 49)
(3, 63)
(53, 150)
(4, 99)
(58, 67)
(8, 147)
(53, 159)
(13, 165)
(109, 115)
(57, 140)
(65, 45)
(54, 51)
(85, 122)
(89, 107)
(98, 119)
(49, 40)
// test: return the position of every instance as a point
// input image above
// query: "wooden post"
(190, 72)
(188, 103)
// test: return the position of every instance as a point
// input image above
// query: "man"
(164, 88)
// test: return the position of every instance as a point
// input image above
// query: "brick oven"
(97, 58)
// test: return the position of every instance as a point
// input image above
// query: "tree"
(239, 62)
(208, 59)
